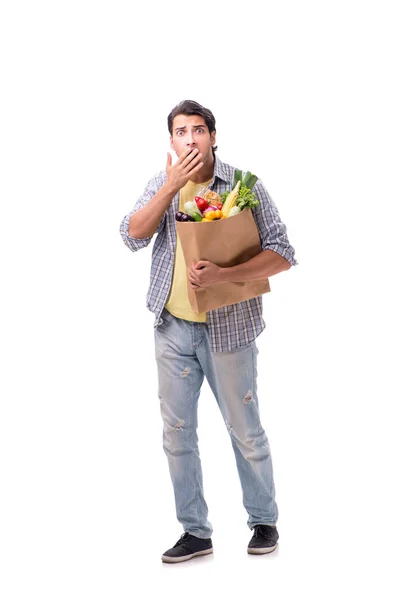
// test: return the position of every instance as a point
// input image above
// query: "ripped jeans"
(183, 357)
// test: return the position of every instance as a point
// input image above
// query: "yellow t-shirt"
(178, 300)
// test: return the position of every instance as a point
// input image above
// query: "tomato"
(219, 205)
(202, 203)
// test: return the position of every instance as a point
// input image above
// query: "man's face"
(190, 131)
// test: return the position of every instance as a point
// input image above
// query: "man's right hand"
(187, 165)
(144, 222)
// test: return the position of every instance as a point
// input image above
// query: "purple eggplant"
(186, 218)
(178, 216)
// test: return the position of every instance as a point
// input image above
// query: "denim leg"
(180, 377)
(233, 379)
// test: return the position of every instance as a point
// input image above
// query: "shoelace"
(261, 530)
(182, 539)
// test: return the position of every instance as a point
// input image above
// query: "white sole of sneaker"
(261, 550)
(175, 559)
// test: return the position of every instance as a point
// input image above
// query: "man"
(218, 344)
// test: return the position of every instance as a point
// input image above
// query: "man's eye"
(179, 133)
(200, 130)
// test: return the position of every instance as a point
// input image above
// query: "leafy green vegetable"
(224, 196)
(246, 198)
(237, 175)
(250, 180)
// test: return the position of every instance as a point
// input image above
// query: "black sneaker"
(264, 539)
(186, 548)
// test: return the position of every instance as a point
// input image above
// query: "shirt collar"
(220, 170)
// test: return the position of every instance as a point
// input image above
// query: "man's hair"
(190, 107)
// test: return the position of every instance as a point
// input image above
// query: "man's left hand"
(204, 273)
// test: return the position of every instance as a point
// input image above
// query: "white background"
(305, 95)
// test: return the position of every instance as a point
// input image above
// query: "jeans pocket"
(166, 318)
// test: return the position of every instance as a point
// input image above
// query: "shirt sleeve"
(151, 189)
(272, 230)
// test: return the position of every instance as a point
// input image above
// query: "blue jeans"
(183, 357)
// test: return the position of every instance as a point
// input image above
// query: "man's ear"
(171, 143)
(213, 137)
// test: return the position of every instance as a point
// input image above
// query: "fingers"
(201, 264)
(185, 156)
(193, 277)
(187, 164)
(193, 282)
(196, 168)
(193, 157)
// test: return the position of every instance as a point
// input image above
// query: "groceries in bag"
(210, 206)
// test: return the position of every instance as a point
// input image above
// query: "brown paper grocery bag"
(226, 242)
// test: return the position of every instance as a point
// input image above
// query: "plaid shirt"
(231, 326)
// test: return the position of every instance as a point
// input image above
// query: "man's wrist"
(224, 274)
(170, 190)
